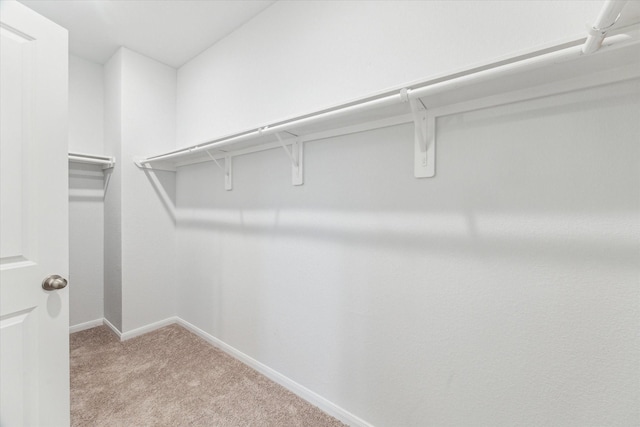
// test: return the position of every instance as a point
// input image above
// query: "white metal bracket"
(160, 166)
(296, 155)
(228, 173)
(424, 140)
(228, 169)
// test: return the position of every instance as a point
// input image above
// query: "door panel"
(34, 334)
(17, 227)
(18, 368)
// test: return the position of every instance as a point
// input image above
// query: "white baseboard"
(148, 328)
(86, 325)
(113, 328)
(124, 335)
(301, 391)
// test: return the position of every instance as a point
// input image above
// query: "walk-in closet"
(320, 213)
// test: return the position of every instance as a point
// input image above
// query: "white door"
(34, 323)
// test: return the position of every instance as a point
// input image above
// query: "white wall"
(501, 292)
(86, 192)
(86, 106)
(297, 57)
(148, 107)
(139, 244)
(113, 193)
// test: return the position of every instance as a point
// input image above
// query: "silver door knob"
(54, 282)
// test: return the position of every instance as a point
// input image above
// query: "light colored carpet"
(171, 377)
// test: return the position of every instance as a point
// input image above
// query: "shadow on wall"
(507, 281)
(164, 184)
(523, 180)
(482, 236)
(87, 182)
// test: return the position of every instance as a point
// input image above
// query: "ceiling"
(170, 31)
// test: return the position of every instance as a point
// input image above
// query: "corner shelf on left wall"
(104, 161)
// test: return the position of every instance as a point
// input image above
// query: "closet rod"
(607, 18)
(524, 65)
(426, 89)
(283, 126)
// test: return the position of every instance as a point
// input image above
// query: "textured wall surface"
(148, 238)
(501, 292)
(86, 243)
(113, 192)
(86, 192)
(297, 57)
(139, 117)
(86, 106)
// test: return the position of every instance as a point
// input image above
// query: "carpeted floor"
(171, 377)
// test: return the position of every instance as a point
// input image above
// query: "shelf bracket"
(296, 155)
(424, 138)
(228, 173)
(158, 166)
(227, 169)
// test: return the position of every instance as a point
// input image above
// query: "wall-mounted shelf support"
(227, 169)
(156, 166)
(105, 161)
(228, 173)
(296, 155)
(424, 137)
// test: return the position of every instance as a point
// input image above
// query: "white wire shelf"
(559, 69)
(104, 161)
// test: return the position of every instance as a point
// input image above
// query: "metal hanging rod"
(105, 161)
(609, 15)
